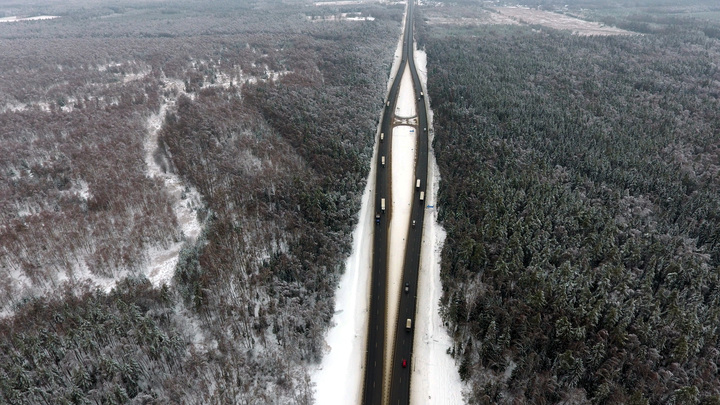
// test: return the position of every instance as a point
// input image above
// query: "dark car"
(407, 287)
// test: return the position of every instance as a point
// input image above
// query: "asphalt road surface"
(400, 382)
(375, 355)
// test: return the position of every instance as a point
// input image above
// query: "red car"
(404, 363)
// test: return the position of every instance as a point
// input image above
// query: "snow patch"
(44, 106)
(402, 161)
(136, 76)
(162, 260)
(81, 273)
(161, 263)
(405, 107)
(421, 66)
(340, 17)
(103, 68)
(268, 75)
(368, 18)
(83, 190)
(339, 3)
(125, 77)
(14, 107)
(36, 18)
(223, 80)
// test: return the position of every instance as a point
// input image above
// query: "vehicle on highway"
(408, 324)
(377, 218)
(382, 204)
(404, 363)
(407, 287)
(382, 136)
(382, 161)
(413, 223)
(422, 195)
(417, 184)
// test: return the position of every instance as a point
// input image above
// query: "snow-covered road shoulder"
(340, 374)
(435, 378)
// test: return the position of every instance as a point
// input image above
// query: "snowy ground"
(357, 16)
(405, 107)
(434, 378)
(162, 260)
(36, 18)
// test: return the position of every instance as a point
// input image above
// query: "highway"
(399, 390)
(403, 347)
(375, 354)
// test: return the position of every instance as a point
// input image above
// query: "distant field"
(685, 12)
(558, 21)
(450, 15)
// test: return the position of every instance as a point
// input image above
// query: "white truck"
(422, 196)
(408, 324)
(382, 204)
